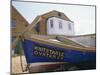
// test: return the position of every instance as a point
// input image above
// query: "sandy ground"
(16, 65)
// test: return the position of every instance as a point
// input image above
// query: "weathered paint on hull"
(70, 55)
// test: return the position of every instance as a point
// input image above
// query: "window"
(59, 14)
(51, 23)
(60, 25)
(13, 23)
(69, 26)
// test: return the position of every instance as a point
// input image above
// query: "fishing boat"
(42, 48)
(56, 48)
(48, 52)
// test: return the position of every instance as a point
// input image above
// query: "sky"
(83, 16)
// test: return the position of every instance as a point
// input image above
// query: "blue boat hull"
(38, 52)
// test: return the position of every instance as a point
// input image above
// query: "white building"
(57, 26)
(54, 23)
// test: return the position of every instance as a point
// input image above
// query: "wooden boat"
(39, 48)
(49, 52)
(42, 48)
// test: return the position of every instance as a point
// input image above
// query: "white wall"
(56, 30)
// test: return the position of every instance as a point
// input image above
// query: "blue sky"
(83, 16)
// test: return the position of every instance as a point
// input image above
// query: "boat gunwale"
(61, 45)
